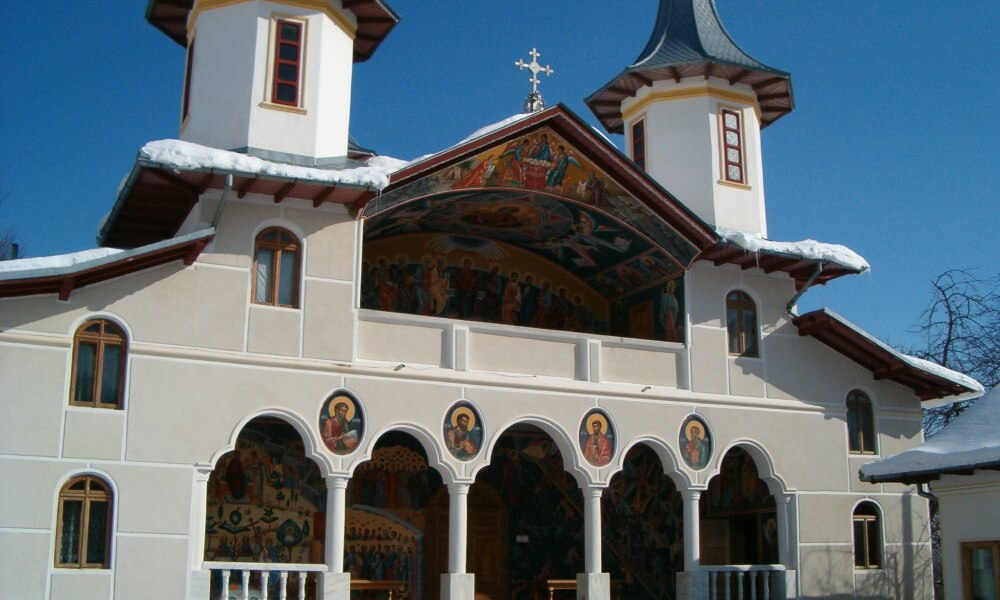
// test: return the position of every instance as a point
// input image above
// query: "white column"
(592, 529)
(336, 583)
(199, 580)
(692, 531)
(456, 584)
(458, 525)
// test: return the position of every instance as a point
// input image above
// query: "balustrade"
(263, 581)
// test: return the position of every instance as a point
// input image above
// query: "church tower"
(272, 78)
(692, 107)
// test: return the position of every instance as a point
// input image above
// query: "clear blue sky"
(892, 148)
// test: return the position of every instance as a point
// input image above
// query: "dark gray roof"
(689, 40)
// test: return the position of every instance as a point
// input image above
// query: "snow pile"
(807, 249)
(972, 440)
(11, 269)
(945, 372)
(185, 156)
(491, 128)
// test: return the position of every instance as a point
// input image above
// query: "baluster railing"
(259, 587)
(744, 582)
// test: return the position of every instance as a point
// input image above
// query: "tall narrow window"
(287, 63)
(84, 525)
(186, 102)
(639, 144)
(860, 424)
(276, 268)
(867, 537)
(99, 354)
(732, 146)
(741, 324)
(981, 570)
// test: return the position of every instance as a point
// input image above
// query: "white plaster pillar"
(592, 584)
(456, 584)
(692, 530)
(199, 582)
(336, 583)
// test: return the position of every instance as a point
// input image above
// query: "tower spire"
(689, 40)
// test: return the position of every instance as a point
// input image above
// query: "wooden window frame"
(278, 62)
(186, 99)
(741, 302)
(102, 339)
(861, 438)
(87, 496)
(965, 548)
(274, 285)
(638, 144)
(870, 522)
(738, 146)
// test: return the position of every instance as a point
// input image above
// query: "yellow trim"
(284, 108)
(701, 91)
(321, 5)
(742, 186)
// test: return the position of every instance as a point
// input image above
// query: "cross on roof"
(534, 103)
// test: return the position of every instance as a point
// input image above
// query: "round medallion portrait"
(597, 438)
(695, 442)
(463, 431)
(341, 424)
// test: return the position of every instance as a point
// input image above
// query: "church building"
(530, 366)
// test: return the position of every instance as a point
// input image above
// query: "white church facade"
(528, 366)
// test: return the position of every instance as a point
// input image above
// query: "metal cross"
(534, 103)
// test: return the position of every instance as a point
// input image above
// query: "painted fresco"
(341, 424)
(695, 442)
(737, 488)
(266, 500)
(380, 547)
(541, 162)
(463, 431)
(643, 531)
(738, 496)
(597, 438)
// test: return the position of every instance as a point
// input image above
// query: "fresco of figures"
(597, 438)
(695, 442)
(341, 424)
(463, 431)
(265, 499)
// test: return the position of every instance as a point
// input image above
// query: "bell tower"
(692, 107)
(272, 78)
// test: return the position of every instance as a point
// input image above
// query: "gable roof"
(689, 40)
(928, 380)
(971, 441)
(375, 20)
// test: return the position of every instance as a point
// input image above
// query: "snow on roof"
(185, 156)
(807, 249)
(495, 126)
(918, 363)
(971, 441)
(65, 264)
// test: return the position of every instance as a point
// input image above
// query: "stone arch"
(762, 460)
(431, 445)
(312, 445)
(671, 464)
(564, 442)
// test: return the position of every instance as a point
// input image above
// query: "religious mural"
(738, 497)
(695, 442)
(597, 438)
(266, 500)
(643, 531)
(341, 424)
(463, 431)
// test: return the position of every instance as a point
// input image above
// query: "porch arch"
(563, 440)
(311, 445)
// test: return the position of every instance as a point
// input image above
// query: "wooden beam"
(172, 179)
(283, 192)
(766, 97)
(675, 74)
(621, 91)
(767, 82)
(244, 187)
(323, 196)
(192, 254)
(205, 182)
(606, 103)
(643, 79)
(888, 371)
(708, 70)
(66, 288)
(739, 76)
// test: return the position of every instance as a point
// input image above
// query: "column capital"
(459, 487)
(693, 494)
(337, 481)
(594, 491)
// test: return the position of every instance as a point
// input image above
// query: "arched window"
(276, 268)
(99, 353)
(867, 537)
(741, 323)
(860, 424)
(84, 526)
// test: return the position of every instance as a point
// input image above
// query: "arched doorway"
(739, 519)
(540, 519)
(643, 531)
(388, 522)
(266, 504)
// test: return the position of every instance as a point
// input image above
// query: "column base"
(692, 585)
(458, 586)
(200, 585)
(336, 586)
(593, 586)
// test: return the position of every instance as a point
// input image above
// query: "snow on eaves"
(970, 441)
(495, 126)
(185, 156)
(806, 249)
(67, 264)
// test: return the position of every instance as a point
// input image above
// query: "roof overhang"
(927, 381)
(915, 476)
(65, 280)
(803, 270)
(375, 20)
(773, 89)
